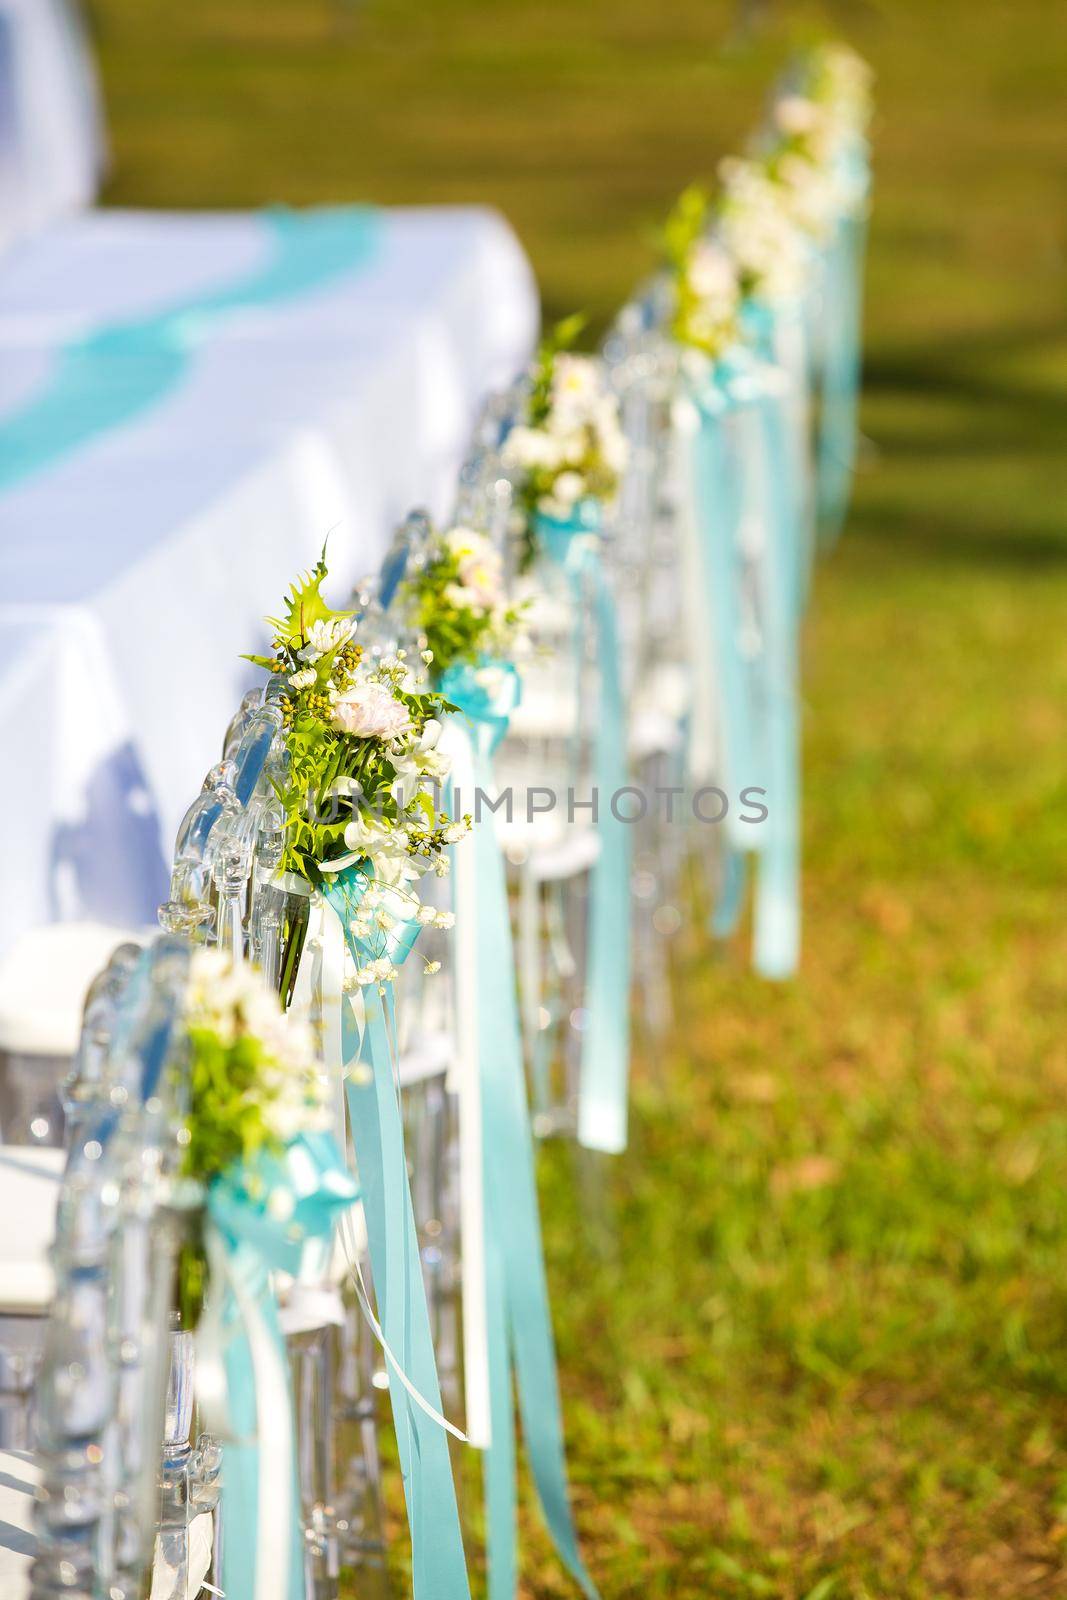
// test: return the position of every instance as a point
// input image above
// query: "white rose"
(369, 711)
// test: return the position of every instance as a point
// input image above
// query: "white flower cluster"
(814, 194)
(579, 448)
(322, 637)
(771, 252)
(480, 585)
(842, 82)
(230, 1000)
(712, 295)
(815, 128)
(388, 846)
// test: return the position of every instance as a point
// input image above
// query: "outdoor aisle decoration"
(361, 829)
(566, 454)
(261, 1178)
(740, 541)
(815, 151)
(469, 635)
(764, 291)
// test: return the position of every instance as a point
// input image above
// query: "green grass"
(825, 1357)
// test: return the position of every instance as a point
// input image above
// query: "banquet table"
(139, 557)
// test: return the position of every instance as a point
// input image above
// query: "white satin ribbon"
(465, 1079)
(273, 1438)
(317, 994)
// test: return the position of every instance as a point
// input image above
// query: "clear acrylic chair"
(657, 632)
(44, 978)
(30, 1171)
(112, 1506)
(224, 892)
(545, 769)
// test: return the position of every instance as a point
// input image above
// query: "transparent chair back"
(544, 771)
(113, 1504)
(651, 588)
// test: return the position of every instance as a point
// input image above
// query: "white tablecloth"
(137, 568)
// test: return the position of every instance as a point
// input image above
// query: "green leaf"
(564, 334)
(305, 605)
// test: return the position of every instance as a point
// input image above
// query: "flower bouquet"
(817, 130)
(457, 603)
(570, 448)
(759, 232)
(261, 1181)
(704, 279)
(361, 771)
(250, 1085)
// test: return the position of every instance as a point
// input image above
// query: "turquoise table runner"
(111, 376)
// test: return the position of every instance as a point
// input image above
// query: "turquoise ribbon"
(439, 1570)
(841, 363)
(765, 323)
(256, 1240)
(757, 694)
(605, 1069)
(109, 377)
(519, 1323)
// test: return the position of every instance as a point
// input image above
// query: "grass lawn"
(827, 1353)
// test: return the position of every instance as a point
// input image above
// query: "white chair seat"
(544, 712)
(652, 733)
(427, 1056)
(44, 979)
(29, 1190)
(20, 1477)
(19, 1480)
(306, 1306)
(572, 852)
(165, 1578)
(659, 708)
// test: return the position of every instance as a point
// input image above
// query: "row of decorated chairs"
(659, 665)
